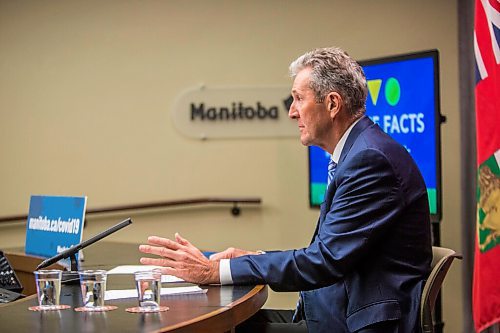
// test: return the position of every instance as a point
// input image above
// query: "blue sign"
(54, 224)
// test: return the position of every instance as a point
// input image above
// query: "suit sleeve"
(366, 202)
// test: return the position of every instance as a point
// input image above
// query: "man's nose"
(292, 112)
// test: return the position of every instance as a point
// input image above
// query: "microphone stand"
(72, 275)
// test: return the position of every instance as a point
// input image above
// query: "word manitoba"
(237, 111)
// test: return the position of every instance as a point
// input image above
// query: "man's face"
(312, 118)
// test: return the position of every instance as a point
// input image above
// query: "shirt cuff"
(225, 271)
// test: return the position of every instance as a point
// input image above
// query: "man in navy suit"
(365, 267)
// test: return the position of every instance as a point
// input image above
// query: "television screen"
(403, 99)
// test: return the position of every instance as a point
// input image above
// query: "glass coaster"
(52, 308)
(96, 309)
(146, 310)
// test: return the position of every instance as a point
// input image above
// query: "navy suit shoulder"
(371, 251)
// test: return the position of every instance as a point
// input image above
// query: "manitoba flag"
(486, 285)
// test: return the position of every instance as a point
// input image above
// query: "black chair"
(441, 262)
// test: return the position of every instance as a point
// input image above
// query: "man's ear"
(333, 103)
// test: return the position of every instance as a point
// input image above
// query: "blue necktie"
(332, 166)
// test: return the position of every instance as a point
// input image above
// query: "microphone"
(74, 249)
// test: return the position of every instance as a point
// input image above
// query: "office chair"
(441, 262)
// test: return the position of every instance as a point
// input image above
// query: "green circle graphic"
(392, 91)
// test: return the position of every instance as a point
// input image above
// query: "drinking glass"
(93, 285)
(48, 288)
(148, 285)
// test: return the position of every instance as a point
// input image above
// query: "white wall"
(86, 90)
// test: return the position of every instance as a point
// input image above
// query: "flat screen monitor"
(403, 99)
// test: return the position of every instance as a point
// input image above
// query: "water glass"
(148, 284)
(93, 285)
(48, 288)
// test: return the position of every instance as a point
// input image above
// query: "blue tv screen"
(403, 99)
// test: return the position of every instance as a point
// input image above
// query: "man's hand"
(182, 259)
(231, 253)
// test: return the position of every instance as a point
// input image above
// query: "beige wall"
(86, 90)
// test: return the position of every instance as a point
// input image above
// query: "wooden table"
(218, 310)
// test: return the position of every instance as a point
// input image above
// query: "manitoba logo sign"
(238, 112)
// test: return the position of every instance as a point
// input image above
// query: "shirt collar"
(340, 145)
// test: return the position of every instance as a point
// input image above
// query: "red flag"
(486, 288)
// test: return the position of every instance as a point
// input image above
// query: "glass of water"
(48, 288)
(93, 285)
(148, 284)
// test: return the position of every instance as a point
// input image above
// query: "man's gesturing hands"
(182, 259)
